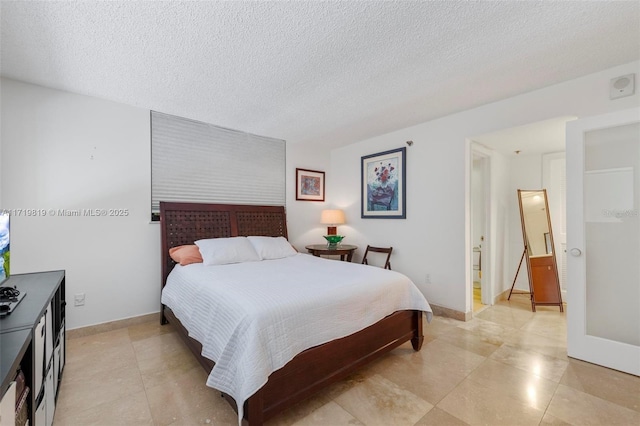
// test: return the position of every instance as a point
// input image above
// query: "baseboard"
(127, 322)
(441, 311)
(111, 325)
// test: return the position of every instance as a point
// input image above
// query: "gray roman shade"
(193, 161)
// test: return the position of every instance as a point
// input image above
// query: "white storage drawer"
(38, 349)
(8, 406)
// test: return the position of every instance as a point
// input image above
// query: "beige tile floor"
(508, 366)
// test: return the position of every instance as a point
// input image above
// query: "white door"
(603, 240)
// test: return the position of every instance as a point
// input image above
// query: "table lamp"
(332, 218)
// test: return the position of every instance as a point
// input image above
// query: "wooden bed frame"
(309, 371)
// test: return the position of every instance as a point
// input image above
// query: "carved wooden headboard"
(185, 223)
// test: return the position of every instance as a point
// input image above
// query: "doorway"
(514, 158)
(480, 201)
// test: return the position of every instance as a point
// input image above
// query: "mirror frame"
(544, 282)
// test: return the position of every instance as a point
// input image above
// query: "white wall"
(496, 244)
(434, 237)
(66, 151)
(303, 217)
(525, 172)
(500, 232)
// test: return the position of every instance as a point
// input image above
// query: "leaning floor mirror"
(544, 284)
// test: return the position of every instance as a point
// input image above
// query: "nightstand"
(343, 250)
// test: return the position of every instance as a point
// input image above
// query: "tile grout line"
(144, 386)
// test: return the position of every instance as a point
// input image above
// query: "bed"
(310, 370)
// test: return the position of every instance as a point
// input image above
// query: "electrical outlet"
(427, 279)
(78, 299)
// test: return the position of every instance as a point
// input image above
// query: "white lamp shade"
(332, 217)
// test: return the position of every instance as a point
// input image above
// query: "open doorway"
(525, 157)
(480, 198)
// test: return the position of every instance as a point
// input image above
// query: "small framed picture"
(383, 193)
(309, 185)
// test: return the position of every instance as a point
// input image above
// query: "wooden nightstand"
(343, 250)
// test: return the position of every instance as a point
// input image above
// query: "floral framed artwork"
(309, 185)
(383, 189)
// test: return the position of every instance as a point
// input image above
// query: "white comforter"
(252, 318)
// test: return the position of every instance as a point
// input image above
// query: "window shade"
(193, 161)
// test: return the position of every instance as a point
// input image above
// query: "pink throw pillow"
(186, 255)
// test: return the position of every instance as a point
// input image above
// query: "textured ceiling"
(331, 72)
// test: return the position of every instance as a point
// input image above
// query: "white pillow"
(272, 247)
(221, 251)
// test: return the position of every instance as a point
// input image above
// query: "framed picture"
(309, 185)
(383, 190)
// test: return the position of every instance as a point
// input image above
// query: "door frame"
(487, 271)
(559, 237)
(609, 353)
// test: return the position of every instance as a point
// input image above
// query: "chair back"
(386, 250)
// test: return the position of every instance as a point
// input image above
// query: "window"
(193, 161)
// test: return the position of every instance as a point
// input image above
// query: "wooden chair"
(387, 250)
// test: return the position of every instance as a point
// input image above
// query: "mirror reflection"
(542, 268)
(536, 222)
